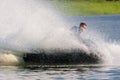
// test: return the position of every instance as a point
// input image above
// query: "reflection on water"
(80, 72)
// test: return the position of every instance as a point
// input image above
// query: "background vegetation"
(89, 7)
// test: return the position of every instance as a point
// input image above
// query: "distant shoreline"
(83, 8)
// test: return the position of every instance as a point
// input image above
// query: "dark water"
(105, 25)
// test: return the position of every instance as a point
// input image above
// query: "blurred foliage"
(89, 7)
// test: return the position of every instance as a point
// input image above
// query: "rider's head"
(83, 26)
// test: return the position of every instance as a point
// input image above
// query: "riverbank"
(89, 7)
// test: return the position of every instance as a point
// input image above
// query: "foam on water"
(114, 49)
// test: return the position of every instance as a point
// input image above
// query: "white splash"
(34, 24)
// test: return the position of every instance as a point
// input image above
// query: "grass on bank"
(72, 7)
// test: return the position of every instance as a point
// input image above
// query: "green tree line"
(90, 0)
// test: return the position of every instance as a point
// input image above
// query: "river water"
(64, 73)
